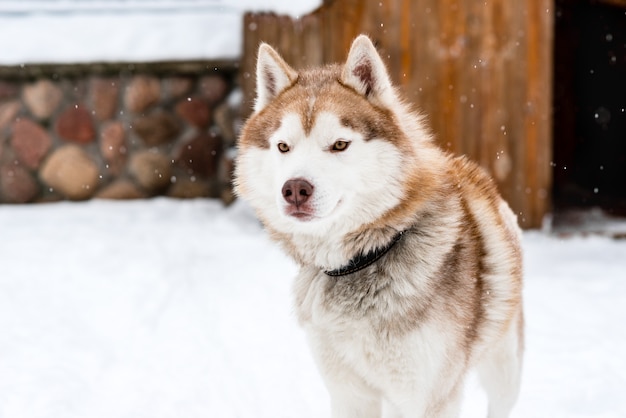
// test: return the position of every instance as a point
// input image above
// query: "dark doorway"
(590, 106)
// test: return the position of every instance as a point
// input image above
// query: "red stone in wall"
(175, 87)
(17, 185)
(72, 172)
(156, 129)
(30, 142)
(113, 141)
(75, 124)
(113, 146)
(8, 90)
(104, 97)
(213, 88)
(141, 93)
(8, 112)
(201, 154)
(195, 111)
(42, 98)
(151, 169)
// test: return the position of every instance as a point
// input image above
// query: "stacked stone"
(132, 136)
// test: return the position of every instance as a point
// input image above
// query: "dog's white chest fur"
(356, 354)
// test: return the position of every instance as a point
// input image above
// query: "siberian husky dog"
(410, 261)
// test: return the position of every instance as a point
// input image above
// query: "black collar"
(360, 261)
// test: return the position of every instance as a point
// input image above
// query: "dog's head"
(325, 149)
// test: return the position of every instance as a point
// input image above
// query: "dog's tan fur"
(404, 331)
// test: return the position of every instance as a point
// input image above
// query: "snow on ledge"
(82, 31)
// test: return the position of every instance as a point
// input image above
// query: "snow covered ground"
(167, 308)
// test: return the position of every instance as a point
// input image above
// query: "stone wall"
(116, 131)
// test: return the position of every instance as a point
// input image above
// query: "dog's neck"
(363, 260)
(334, 253)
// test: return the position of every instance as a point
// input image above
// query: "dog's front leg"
(351, 394)
(346, 402)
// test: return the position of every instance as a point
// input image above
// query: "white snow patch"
(82, 31)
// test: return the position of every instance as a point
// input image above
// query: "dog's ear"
(273, 75)
(365, 70)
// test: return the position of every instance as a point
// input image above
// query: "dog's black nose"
(297, 191)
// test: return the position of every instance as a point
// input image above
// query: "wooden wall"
(481, 71)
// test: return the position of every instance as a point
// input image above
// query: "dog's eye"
(340, 145)
(282, 147)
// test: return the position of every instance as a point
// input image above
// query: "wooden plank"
(350, 14)
(312, 54)
(511, 98)
(286, 42)
(248, 62)
(448, 110)
(518, 77)
(328, 18)
(531, 179)
(471, 78)
(417, 89)
(406, 38)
